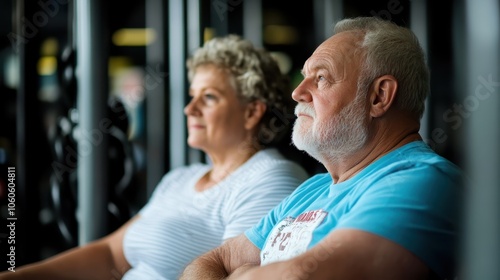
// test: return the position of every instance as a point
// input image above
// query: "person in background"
(235, 90)
(389, 206)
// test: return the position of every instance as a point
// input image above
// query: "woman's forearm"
(93, 261)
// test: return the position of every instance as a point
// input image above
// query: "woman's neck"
(224, 165)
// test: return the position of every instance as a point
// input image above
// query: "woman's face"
(215, 115)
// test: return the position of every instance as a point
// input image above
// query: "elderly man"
(388, 206)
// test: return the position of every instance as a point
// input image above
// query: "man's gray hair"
(389, 49)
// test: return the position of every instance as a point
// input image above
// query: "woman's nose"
(190, 108)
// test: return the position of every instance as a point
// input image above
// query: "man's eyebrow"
(315, 66)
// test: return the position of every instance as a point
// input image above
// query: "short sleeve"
(258, 233)
(175, 178)
(266, 190)
(288, 206)
(417, 209)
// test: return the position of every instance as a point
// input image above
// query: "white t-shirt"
(178, 224)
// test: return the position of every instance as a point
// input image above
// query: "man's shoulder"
(316, 183)
(418, 157)
(415, 168)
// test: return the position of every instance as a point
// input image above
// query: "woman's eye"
(209, 96)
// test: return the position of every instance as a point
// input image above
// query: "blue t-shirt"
(411, 196)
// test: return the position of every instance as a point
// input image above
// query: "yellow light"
(133, 37)
(208, 34)
(280, 34)
(47, 65)
(49, 47)
(117, 64)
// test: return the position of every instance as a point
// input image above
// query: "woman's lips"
(196, 126)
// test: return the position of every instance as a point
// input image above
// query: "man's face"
(331, 116)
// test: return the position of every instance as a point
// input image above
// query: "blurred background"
(92, 93)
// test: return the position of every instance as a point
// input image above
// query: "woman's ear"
(383, 95)
(253, 114)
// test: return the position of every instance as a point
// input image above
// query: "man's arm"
(220, 262)
(347, 254)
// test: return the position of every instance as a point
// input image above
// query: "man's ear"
(253, 114)
(383, 95)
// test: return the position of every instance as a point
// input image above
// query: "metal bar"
(418, 24)
(193, 25)
(219, 16)
(156, 96)
(482, 106)
(177, 74)
(91, 103)
(194, 42)
(326, 13)
(22, 133)
(252, 21)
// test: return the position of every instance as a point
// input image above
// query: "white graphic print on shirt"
(291, 236)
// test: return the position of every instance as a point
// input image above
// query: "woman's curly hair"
(257, 77)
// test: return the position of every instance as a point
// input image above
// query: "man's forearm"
(205, 268)
(233, 257)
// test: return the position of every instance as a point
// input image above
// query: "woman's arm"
(223, 260)
(101, 259)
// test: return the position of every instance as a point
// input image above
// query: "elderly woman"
(236, 91)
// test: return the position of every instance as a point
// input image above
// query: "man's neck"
(381, 142)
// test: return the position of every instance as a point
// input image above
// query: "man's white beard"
(335, 139)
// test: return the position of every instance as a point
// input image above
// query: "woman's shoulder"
(183, 171)
(271, 155)
(271, 161)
